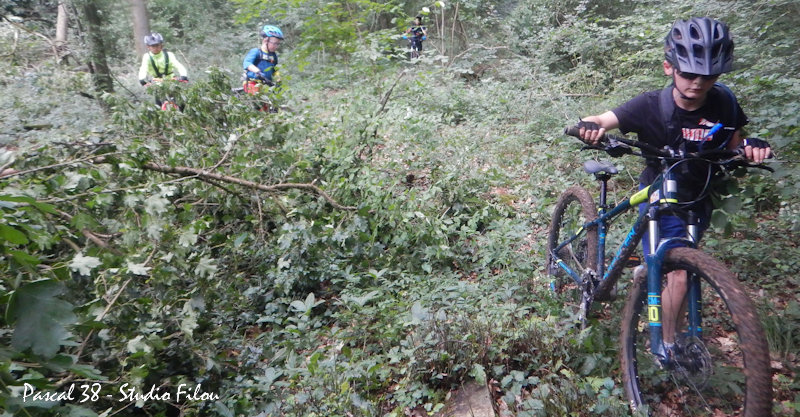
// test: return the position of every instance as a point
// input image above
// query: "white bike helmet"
(700, 45)
(154, 38)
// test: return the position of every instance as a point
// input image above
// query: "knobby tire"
(574, 208)
(732, 355)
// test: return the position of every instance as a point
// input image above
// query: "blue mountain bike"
(719, 362)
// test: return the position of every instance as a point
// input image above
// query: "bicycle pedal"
(633, 261)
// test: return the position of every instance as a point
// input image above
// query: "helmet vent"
(694, 33)
(681, 50)
(716, 51)
(718, 33)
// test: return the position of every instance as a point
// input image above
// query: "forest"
(378, 240)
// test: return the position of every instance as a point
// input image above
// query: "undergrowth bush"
(372, 246)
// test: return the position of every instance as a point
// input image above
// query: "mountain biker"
(260, 64)
(159, 63)
(697, 52)
(418, 34)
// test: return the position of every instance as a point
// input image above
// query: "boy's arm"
(592, 128)
(736, 140)
(181, 69)
(250, 61)
(143, 68)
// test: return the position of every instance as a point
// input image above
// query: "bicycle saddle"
(594, 167)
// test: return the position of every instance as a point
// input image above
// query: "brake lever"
(617, 149)
(762, 166)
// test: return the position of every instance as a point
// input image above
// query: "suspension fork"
(602, 227)
(654, 263)
(695, 302)
(654, 280)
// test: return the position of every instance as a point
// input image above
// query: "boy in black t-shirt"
(697, 51)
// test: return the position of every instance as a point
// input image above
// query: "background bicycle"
(164, 93)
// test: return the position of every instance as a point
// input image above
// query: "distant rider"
(158, 63)
(260, 64)
(416, 34)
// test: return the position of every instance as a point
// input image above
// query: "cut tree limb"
(201, 174)
(205, 175)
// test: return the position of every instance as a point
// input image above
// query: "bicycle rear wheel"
(573, 209)
(724, 372)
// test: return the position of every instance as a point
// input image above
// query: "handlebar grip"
(572, 131)
(719, 153)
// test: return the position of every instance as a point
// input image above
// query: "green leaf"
(189, 322)
(13, 235)
(719, 219)
(84, 221)
(45, 207)
(138, 344)
(313, 362)
(298, 306)
(478, 373)
(187, 238)
(41, 318)
(24, 258)
(16, 199)
(732, 204)
(138, 269)
(78, 411)
(84, 264)
(86, 371)
(155, 205)
(206, 267)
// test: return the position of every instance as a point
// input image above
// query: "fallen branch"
(476, 46)
(53, 45)
(61, 164)
(385, 98)
(205, 175)
(94, 237)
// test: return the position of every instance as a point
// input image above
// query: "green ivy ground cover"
(371, 246)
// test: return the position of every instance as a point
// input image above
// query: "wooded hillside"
(375, 243)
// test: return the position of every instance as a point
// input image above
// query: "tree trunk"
(62, 19)
(141, 24)
(101, 73)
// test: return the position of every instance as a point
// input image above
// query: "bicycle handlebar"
(574, 131)
(158, 81)
(612, 149)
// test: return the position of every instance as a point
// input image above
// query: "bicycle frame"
(167, 102)
(661, 194)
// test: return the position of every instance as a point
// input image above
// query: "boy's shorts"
(674, 226)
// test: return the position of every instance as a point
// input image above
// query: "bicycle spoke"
(706, 375)
(573, 209)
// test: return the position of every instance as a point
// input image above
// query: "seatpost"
(603, 178)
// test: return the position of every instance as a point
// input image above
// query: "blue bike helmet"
(700, 45)
(269, 31)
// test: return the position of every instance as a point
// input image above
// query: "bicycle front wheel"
(725, 371)
(574, 208)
